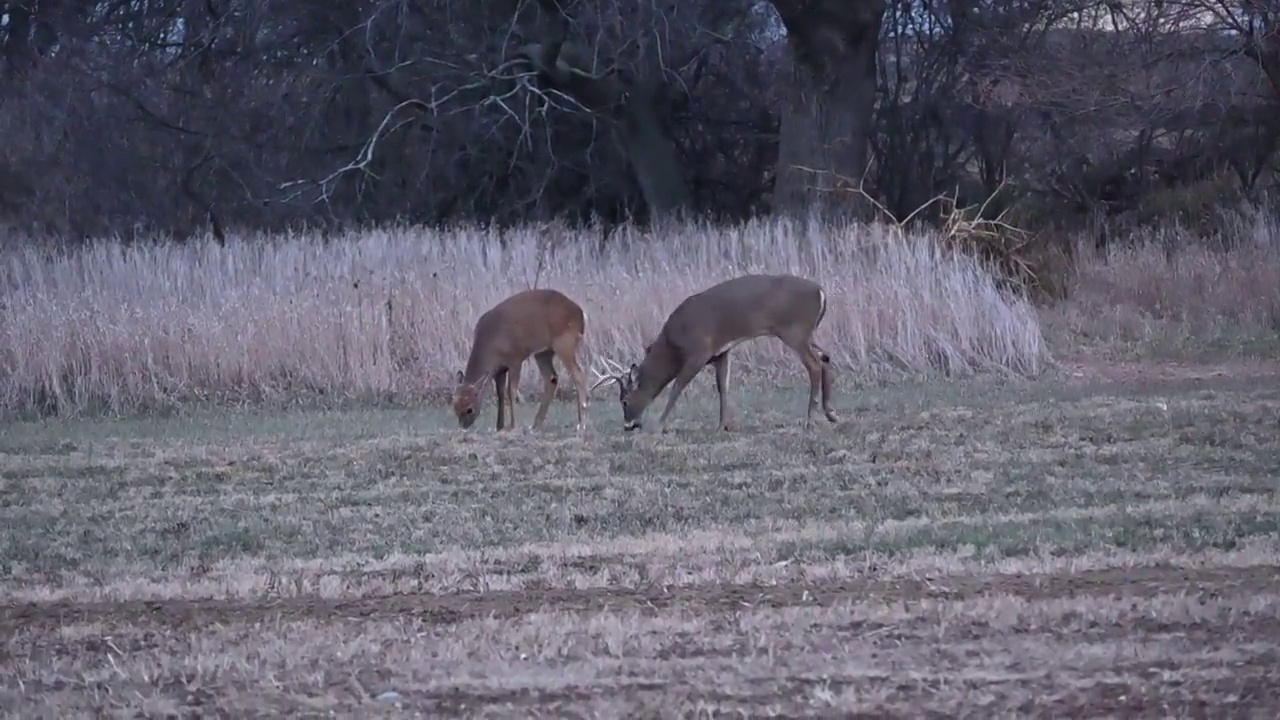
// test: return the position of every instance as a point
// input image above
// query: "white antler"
(613, 373)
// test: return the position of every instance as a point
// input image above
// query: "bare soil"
(1103, 546)
(1138, 582)
(1143, 685)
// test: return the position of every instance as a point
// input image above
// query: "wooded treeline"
(175, 116)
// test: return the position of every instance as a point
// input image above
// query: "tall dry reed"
(388, 314)
(1165, 294)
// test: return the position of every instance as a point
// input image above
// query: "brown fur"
(543, 323)
(704, 328)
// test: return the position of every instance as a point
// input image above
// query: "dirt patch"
(1092, 370)
(369, 569)
(1135, 690)
(1248, 691)
(452, 608)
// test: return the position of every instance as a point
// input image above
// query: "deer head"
(639, 384)
(466, 400)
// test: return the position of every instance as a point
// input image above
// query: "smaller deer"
(543, 323)
(705, 326)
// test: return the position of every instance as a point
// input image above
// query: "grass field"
(230, 485)
(1077, 545)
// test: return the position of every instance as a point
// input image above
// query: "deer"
(705, 326)
(543, 323)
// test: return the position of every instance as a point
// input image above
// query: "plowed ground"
(1088, 547)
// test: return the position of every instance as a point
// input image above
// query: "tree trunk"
(18, 55)
(826, 119)
(652, 153)
(654, 158)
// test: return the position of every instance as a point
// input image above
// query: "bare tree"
(184, 116)
(564, 66)
(826, 119)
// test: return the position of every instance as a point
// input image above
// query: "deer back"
(742, 308)
(521, 325)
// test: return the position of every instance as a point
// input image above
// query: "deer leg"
(721, 364)
(513, 386)
(567, 350)
(687, 374)
(812, 365)
(549, 382)
(827, 382)
(500, 387)
(513, 389)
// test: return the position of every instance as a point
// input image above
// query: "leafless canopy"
(183, 116)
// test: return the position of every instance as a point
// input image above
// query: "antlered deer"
(706, 326)
(543, 323)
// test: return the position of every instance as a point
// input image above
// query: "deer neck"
(658, 368)
(481, 364)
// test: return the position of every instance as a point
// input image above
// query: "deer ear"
(459, 377)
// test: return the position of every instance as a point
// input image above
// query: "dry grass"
(999, 653)
(988, 546)
(1163, 297)
(1011, 543)
(226, 510)
(388, 315)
